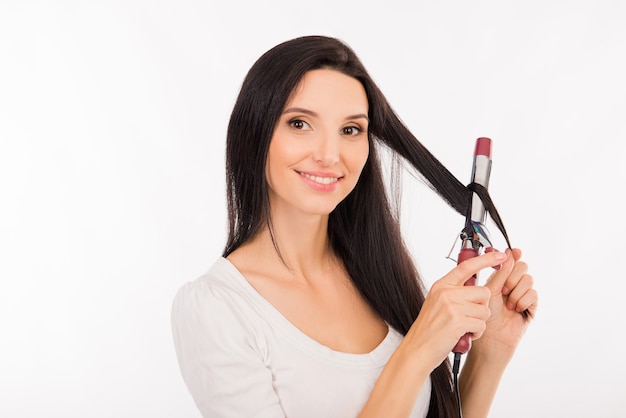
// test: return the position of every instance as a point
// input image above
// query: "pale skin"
(315, 158)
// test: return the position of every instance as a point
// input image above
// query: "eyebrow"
(314, 114)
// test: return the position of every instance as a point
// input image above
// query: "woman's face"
(319, 145)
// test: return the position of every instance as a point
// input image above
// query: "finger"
(473, 326)
(477, 311)
(497, 280)
(461, 273)
(528, 301)
(478, 295)
(512, 281)
(477, 328)
(522, 287)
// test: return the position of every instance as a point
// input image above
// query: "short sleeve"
(219, 355)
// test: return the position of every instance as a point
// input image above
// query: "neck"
(302, 243)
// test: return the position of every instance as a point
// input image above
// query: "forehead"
(324, 87)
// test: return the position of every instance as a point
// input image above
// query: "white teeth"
(320, 180)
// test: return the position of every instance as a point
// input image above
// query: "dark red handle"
(465, 343)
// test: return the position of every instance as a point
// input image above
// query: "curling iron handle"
(465, 343)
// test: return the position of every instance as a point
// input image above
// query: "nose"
(326, 152)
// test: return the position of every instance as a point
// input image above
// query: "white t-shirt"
(240, 357)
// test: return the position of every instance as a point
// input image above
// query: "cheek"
(357, 157)
(284, 150)
(275, 155)
(272, 159)
(281, 155)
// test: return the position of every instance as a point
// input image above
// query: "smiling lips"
(320, 182)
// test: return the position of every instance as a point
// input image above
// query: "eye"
(299, 124)
(351, 130)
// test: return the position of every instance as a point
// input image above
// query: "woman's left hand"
(513, 304)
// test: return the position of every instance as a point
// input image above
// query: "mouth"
(323, 180)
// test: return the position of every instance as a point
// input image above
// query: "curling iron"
(474, 237)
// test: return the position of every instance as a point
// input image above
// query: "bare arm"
(398, 386)
(513, 303)
(479, 381)
(449, 311)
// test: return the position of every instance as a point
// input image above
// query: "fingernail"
(505, 291)
(501, 256)
(510, 306)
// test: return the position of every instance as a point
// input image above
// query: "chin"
(320, 208)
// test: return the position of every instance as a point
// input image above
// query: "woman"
(316, 308)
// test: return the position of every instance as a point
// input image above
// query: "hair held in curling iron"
(362, 230)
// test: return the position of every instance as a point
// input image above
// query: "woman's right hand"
(451, 310)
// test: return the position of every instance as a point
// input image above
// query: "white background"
(112, 129)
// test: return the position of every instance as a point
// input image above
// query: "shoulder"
(219, 301)
(221, 345)
(219, 280)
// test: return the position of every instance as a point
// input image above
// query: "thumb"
(498, 278)
(466, 269)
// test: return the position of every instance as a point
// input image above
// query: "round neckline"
(375, 358)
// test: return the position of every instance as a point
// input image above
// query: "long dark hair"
(362, 229)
